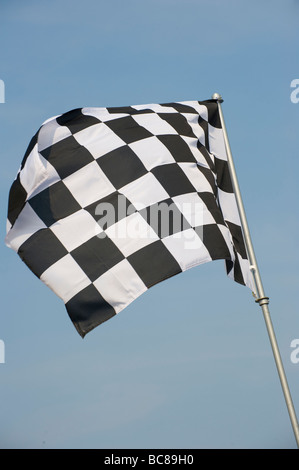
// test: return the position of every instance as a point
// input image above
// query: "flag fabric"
(111, 201)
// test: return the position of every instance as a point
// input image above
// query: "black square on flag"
(96, 256)
(153, 263)
(47, 245)
(54, 203)
(75, 156)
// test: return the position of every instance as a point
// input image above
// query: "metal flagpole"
(262, 300)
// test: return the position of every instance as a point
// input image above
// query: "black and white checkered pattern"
(138, 156)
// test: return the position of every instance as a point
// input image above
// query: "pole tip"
(217, 97)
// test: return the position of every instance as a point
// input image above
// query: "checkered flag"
(110, 201)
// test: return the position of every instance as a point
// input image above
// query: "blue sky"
(189, 363)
